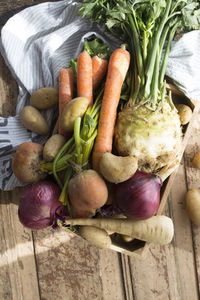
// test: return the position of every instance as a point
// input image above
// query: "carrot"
(99, 67)
(84, 76)
(117, 69)
(66, 81)
(157, 229)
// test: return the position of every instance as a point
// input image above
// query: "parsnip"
(157, 229)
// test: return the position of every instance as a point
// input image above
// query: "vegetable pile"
(119, 133)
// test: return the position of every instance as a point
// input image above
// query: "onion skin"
(39, 204)
(139, 197)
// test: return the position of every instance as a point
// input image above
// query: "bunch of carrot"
(90, 72)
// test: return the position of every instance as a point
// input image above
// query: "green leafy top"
(146, 25)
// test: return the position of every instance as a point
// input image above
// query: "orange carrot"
(84, 76)
(99, 67)
(66, 82)
(117, 70)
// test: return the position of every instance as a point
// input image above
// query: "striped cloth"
(36, 43)
(40, 40)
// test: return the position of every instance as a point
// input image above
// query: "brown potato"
(117, 168)
(75, 108)
(53, 146)
(196, 160)
(44, 98)
(193, 206)
(32, 119)
(26, 162)
(185, 113)
(97, 236)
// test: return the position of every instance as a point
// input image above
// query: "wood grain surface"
(47, 265)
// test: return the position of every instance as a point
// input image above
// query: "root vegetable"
(196, 160)
(184, 112)
(157, 229)
(75, 108)
(87, 192)
(117, 69)
(66, 84)
(99, 68)
(84, 76)
(44, 98)
(153, 137)
(26, 162)
(97, 236)
(52, 147)
(32, 119)
(117, 168)
(193, 206)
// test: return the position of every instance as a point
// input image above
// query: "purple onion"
(39, 205)
(139, 197)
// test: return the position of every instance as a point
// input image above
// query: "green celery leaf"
(97, 47)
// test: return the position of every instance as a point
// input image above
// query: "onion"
(139, 197)
(39, 206)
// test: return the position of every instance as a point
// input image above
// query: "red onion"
(139, 197)
(39, 206)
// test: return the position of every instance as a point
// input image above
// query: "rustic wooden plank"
(70, 268)
(183, 241)
(155, 276)
(17, 264)
(9, 91)
(193, 181)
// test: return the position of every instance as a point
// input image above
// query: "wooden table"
(49, 265)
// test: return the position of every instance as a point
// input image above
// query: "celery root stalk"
(157, 229)
(148, 127)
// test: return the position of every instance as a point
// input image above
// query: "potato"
(196, 160)
(53, 146)
(117, 168)
(97, 236)
(185, 113)
(193, 206)
(32, 119)
(44, 98)
(75, 108)
(26, 162)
